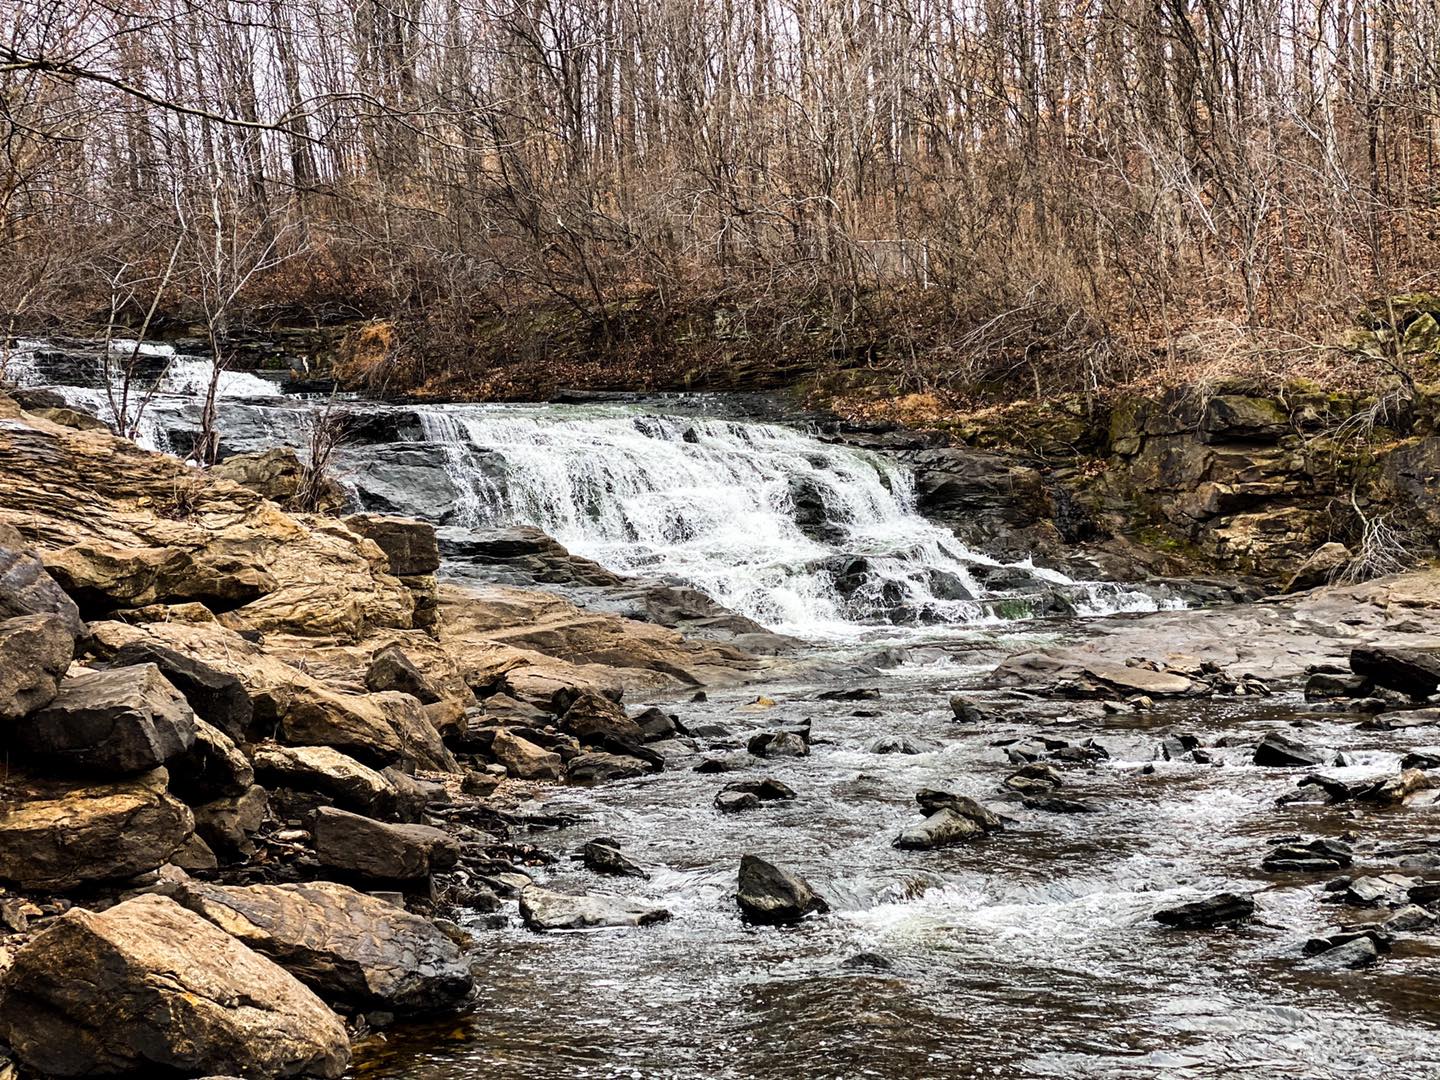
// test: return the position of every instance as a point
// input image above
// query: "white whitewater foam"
(711, 503)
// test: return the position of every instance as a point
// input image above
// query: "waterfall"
(806, 537)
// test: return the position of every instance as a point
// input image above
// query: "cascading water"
(807, 537)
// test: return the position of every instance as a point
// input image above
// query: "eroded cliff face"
(1234, 481)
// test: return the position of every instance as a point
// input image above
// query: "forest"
(1024, 197)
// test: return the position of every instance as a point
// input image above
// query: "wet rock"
(1412, 918)
(58, 836)
(720, 765)
(391, 669)
(767, 894)
(867, 961)
(902, 744)
(606, 858)
(1316, 856)
(211, 768)
(345, 945)
(326, 771)
(1222, 909)
(227, 824)
(778, 744)
(1034, 779)
(657, 725)
(594, 718)
(942, 828)
(379, 851)
(734, 802)
(966, 711)
(1358, 952)
(27, 589)
(543, 909)
(767, 789)
(1410, 671)
(525, 760)
(1395, 790)
(599, 768)
(214, 696)
(35, 651)
(1424, 759)
(1280, 751)
(124, 720)
(148, 988)
(1387, 890)
(1326, 686)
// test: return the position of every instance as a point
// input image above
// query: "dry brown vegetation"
(962, 198)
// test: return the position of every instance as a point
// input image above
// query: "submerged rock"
(768, 894)
(1222, 909)
(543, 909)
(778, 744)
(345, 945)
(733, 802)
(1358, 952)
(148, 988)
(1318, 855)
(902, 744)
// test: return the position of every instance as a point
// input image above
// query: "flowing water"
(1031, 954)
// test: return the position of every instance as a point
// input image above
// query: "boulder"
(123, 720)
(657, 725)
(778, 744)
(1395, 790)
(1410, 671)
(409, 545)
(604, 857)
(902, 744)
(767, 789)
(1327, 686)
(360, 726)
(1320, 568)
(413, 795)
(391, 669)
(215, 696)
(328, 772)
(599, 768)
(593, 718)
(228, 823)
(421, 746)
(734, 802)
(211, 768)
(102, 576)
(345, 945)
(942, 828)
(1138, 680)
(279, 475)
(523, 759)
(1321, 855)
(1222, 909)
(60, 836)
(35, 651)
(1282, 752)
(543, 909)
(966, 711)
(27, 589)
(768, 894)
(1357, 952)
(378, 851)
(148, 988)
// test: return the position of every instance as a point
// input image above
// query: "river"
(1031, 954)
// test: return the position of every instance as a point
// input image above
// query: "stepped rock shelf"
(280, 781)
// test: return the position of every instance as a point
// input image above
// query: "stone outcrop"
(149, 988)
(58, 835)
(345, 945)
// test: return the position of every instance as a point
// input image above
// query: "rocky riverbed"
(280, 800)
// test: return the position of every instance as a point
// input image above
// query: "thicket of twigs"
(1022, 196)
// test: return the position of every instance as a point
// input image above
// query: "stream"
(1031, 954)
